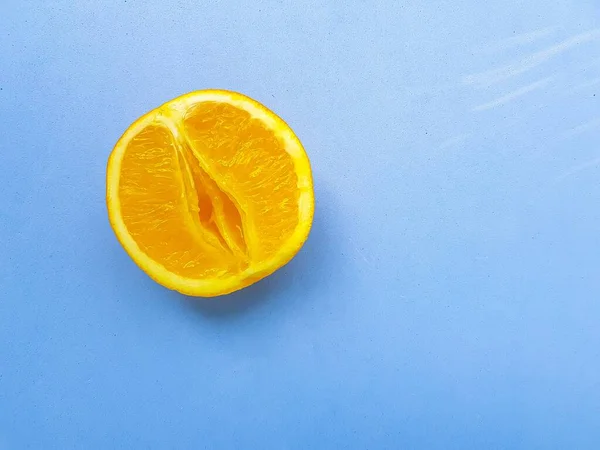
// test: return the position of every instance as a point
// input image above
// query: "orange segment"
(210, 193)
(156, 212)
(218, 210)
(252, 165)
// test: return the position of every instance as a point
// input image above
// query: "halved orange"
(210, 193)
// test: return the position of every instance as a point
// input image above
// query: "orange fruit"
(210, 193)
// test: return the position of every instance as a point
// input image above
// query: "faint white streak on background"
(583, 128)
(502, 73)
(360, 252)
(520, 39)
(513, 95)
(585, 85)
(454, 141)
(575, 169)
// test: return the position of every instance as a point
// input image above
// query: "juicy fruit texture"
(210, 192)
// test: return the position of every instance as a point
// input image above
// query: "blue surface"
(448, 296)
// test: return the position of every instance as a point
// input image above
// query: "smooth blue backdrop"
(448, 296)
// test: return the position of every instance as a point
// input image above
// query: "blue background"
(448, 296)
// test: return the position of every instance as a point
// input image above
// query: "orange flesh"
(252, 166)
(213, 199)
